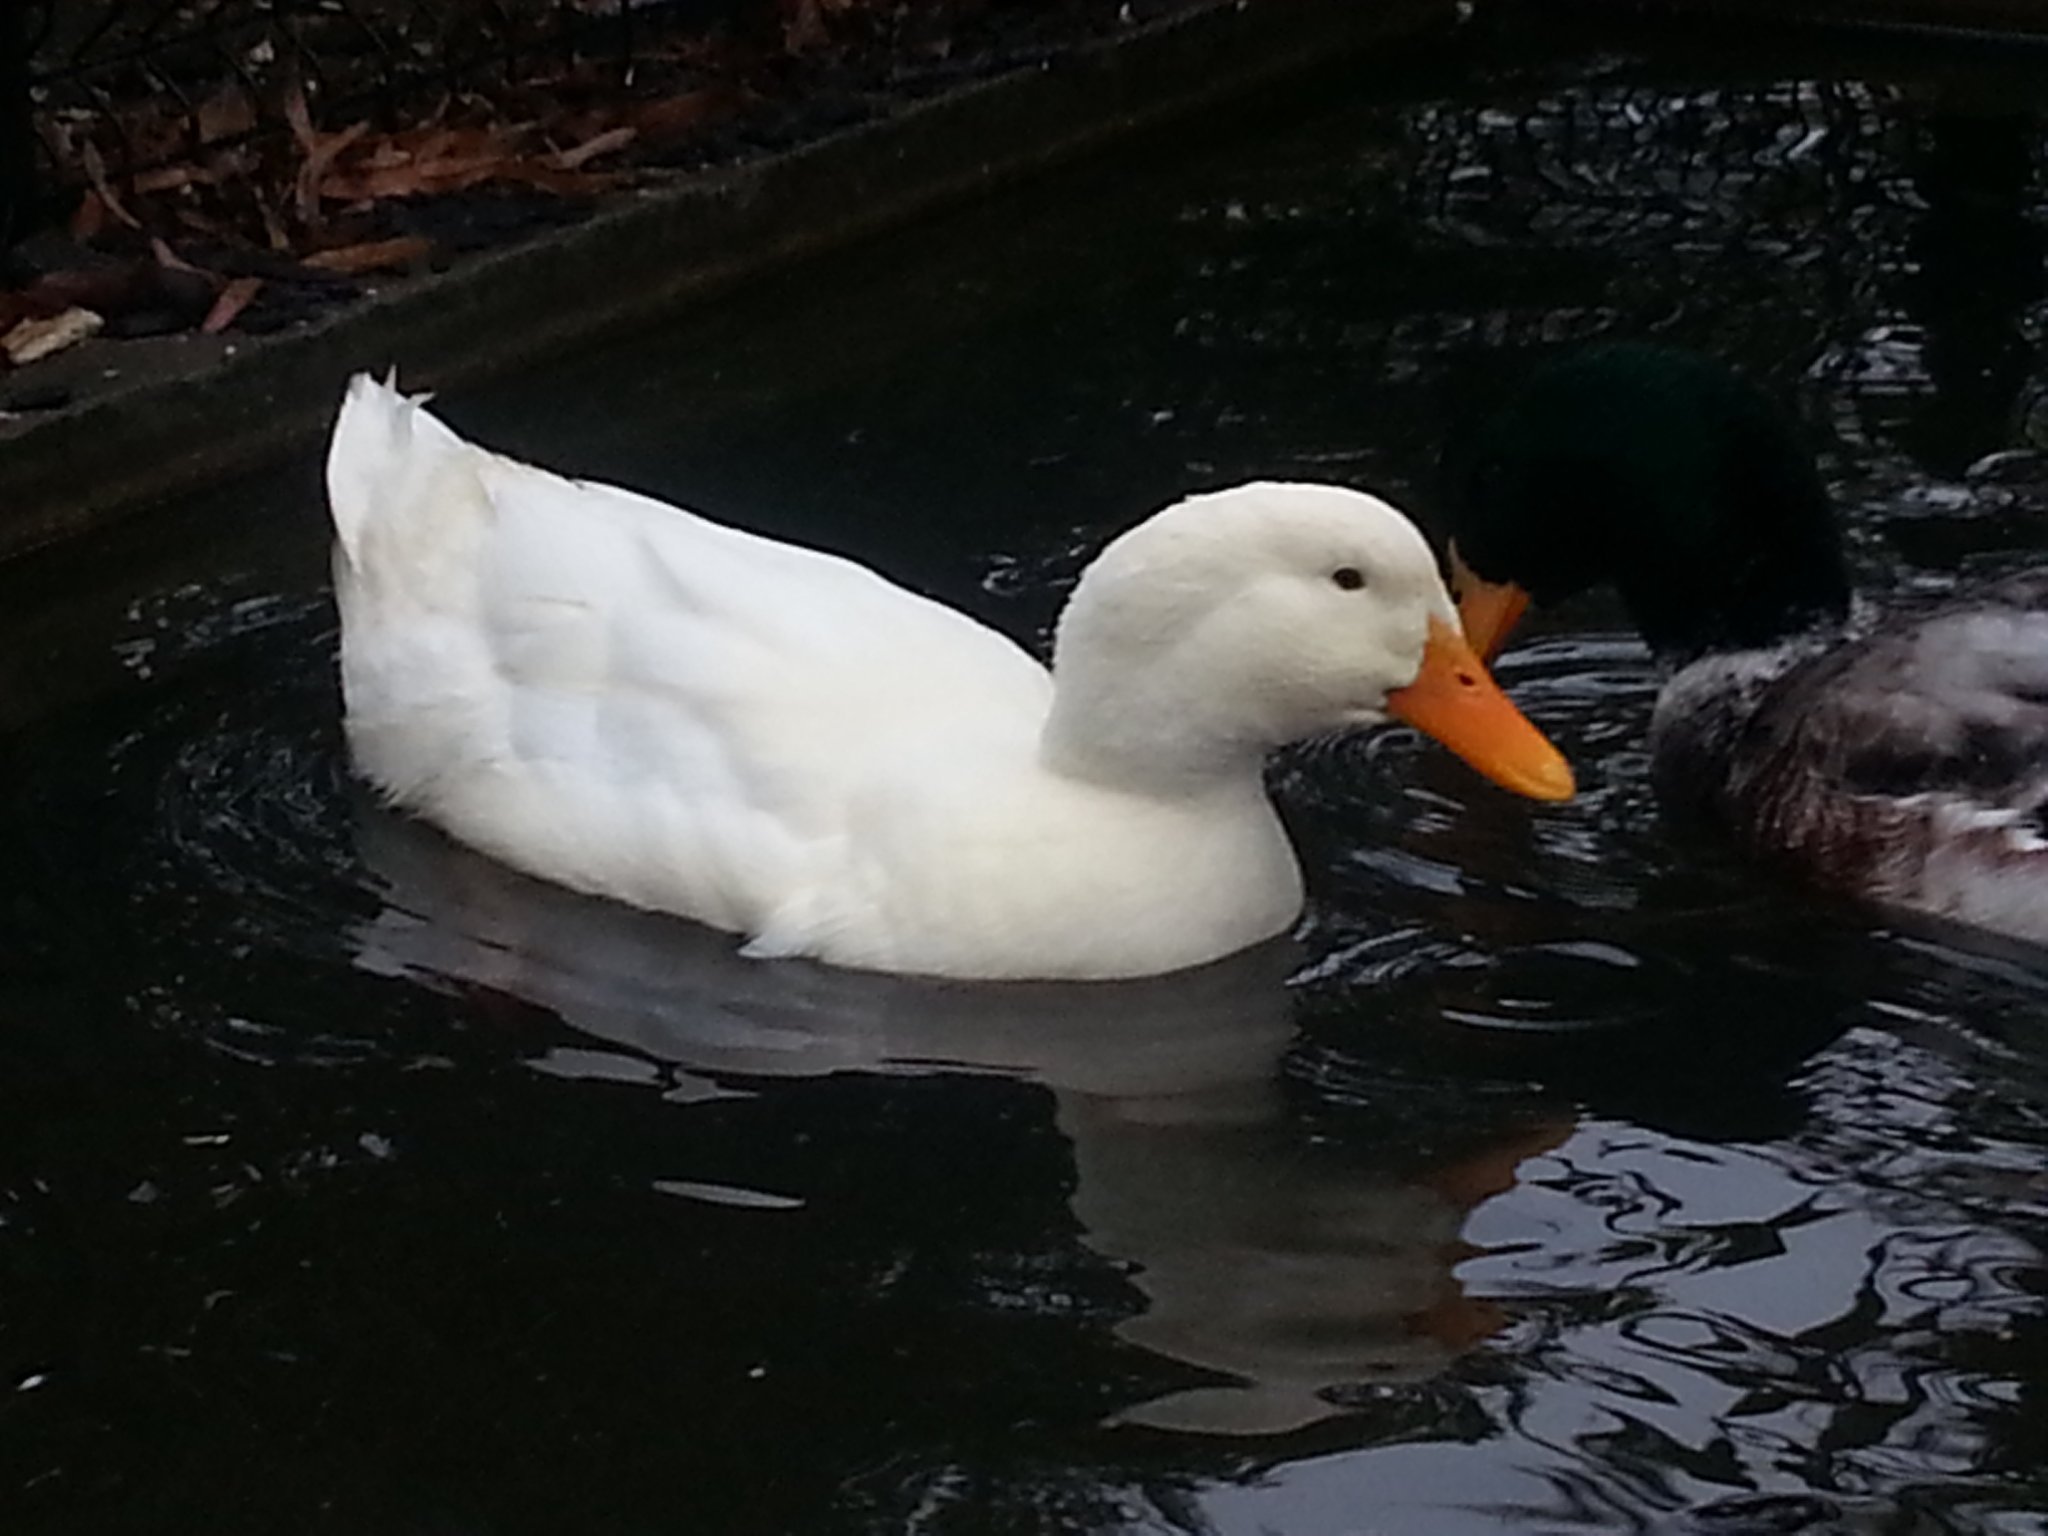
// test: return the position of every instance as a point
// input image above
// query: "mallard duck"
(1901, 760)
(625, 698)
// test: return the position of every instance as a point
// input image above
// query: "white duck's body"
(623, 697)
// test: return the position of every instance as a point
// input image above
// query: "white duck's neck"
(1150, 691)
(1134, 734)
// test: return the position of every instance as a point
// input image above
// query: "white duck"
(615, 694)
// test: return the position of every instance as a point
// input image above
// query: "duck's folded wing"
(1955, 701)
(618, 609)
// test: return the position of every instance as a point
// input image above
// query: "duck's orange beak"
(1455, 700)
(1487, 609)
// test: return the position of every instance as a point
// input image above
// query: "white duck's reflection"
(1258, 1260)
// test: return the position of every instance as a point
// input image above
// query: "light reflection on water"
(1560, 1176)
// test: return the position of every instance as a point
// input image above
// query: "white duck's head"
(1238, 620)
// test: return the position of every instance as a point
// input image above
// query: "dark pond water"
(1558, 1178)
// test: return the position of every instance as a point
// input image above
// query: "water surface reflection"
(1294, 1277)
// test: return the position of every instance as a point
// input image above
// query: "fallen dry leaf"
(299, 116)
(166, 257)
(89, 219)
(324, 150)
(234, 298)
(273, 228)
(678, 114)
(410, 179)
(199, 222)
(170, 178)
(320, 151)
(96, 173)
(372, 255)
(31, 341)
(546, 178)
(589, 150)
(228, 113)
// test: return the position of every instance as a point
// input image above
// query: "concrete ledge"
(193, 409)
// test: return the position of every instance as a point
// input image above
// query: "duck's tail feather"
(383, 443)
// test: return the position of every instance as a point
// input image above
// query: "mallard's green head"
(1657, 472)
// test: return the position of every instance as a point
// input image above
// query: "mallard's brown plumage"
(1910, 765)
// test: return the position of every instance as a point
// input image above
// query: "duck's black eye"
(1349, 577)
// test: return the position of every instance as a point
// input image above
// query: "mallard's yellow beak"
(1455, 700)
(1487, 609)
